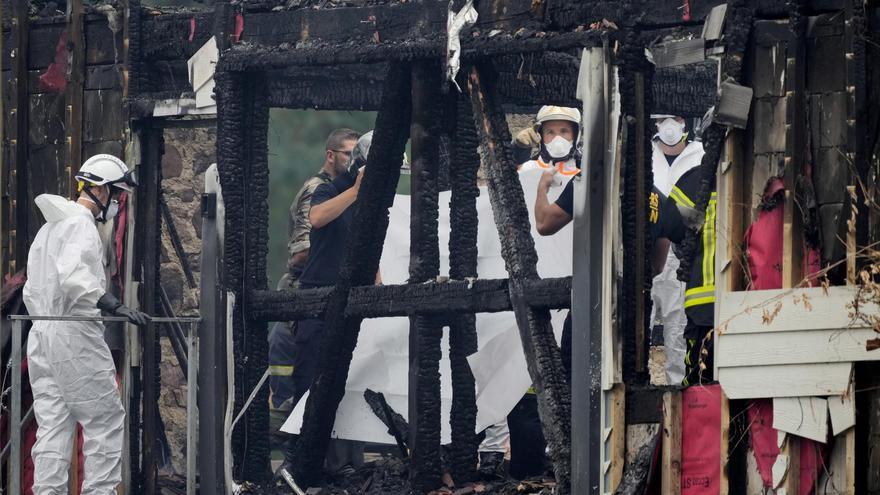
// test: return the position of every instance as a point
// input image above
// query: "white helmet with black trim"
(107, 170)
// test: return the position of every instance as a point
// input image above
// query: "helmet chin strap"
(97, 202)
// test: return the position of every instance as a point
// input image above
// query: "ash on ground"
(389, 475)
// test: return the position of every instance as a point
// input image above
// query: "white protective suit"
(71, 371)
(667, 292)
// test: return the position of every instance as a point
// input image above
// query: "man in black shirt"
(330, 216)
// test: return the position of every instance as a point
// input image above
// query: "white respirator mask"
(670, 131)
(559, 147)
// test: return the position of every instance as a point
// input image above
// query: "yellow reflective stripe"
(699, 295)
(680, 197)
(278, 370)
(531, 390)
(699, 301)
(699, 291)
(709, 253)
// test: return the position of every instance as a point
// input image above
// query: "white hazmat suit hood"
(70, 367)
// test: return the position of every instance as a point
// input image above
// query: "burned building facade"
(114, 78)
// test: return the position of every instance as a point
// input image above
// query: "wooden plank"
(641, 361)
(19, 237)
(791, 241)
(618, 435)
(802, 416)
(754, 382)
(724, 480)
(799, 347)
(746, 312)
(788, 478)
(851, 236)
(837, 478)
(671, 456)
(74, 93)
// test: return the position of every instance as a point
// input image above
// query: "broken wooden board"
(790, 343)
(788, 310)
(801, 380)
(842, 409)
(802, 416)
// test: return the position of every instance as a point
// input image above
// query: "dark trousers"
(527, 443)
(699, 350)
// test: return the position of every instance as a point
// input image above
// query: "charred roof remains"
(810, 65)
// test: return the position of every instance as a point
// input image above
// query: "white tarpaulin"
(381, 361)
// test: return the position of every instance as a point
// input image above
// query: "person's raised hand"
(360, 177)
(546, 180)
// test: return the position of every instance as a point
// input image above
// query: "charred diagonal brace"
(453, 297)
(359, 265)
(543, 356)
(396, 423)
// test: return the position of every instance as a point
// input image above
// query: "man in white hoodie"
(71, 371)
(673, 156)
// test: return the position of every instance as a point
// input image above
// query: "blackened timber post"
(74, 92)
(359, 266)
(543, 356)
(463, 264)
(149, 202)
(425, 331)
(242, 159)
(19, 238)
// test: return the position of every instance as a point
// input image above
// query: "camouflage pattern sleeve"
(298, 225)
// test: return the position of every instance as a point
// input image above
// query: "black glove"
(109, 304)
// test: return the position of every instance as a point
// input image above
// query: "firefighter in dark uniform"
(678, 215)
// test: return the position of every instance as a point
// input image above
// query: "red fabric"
(192, 29)
(55, 78)
(119, 240)
(766, 447)
(763, 435)
(700, 439)
(239, 27)
(764, 244)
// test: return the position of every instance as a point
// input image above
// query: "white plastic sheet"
(381, 361)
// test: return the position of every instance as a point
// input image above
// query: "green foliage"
(296, 152)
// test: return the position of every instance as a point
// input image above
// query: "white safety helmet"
(550, 112)
(361, 152)
(108, 170)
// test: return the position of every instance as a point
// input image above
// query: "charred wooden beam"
(241, 58)
(74, 92)
(636, 105)
(242, 121)
(359, 266)
(543, 355)
(425, 331)
(149, 206)
(396, 423)
(462, 265)
(19, 238)
(446, 298)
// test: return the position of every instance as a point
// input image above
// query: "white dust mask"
(559, 147)
(670, 131)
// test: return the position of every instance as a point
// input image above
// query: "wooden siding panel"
(755, 382)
